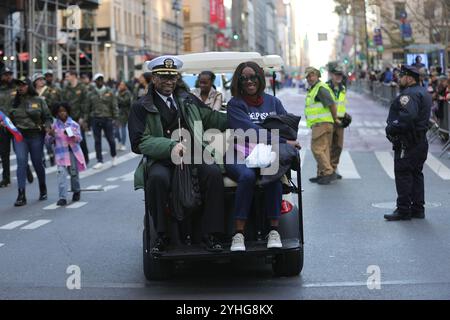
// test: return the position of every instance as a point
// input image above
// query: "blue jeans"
(246, 179)
(74, 178)
(107, 125)
(121, 134)
(35, 147)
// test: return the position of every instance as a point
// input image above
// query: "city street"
(346, 235)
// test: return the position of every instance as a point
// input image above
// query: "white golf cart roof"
(227, 62)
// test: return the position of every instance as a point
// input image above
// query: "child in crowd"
(66, 136)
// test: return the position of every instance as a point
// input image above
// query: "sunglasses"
(252, 78)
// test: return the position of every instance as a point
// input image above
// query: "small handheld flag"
(11, 127)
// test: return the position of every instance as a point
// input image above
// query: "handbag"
(186, 195)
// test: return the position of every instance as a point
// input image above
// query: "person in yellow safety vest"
(336, 84)
(321, 116)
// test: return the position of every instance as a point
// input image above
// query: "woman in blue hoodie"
(247, 109)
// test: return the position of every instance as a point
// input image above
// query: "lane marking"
(1, 245)
(108, 188)
(387, 162)
(51, 207)
(94, 187)
(347, 168)
(77, 205)
(438, 167)
(107, 165)
(302, 157)
(35, 225)
(14, 225)
(126, 177)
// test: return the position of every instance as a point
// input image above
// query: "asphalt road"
(345, 233)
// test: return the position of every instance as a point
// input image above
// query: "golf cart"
(286, 261)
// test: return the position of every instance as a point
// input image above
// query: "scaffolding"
(34, 38)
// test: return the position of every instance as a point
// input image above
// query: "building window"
(430, 9)
(187, 42)
(187, 14)
(400, 9)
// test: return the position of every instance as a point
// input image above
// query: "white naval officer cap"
(164, 65)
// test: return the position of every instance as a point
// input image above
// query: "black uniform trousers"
(5, 151)
(159, 179)
(409, 178)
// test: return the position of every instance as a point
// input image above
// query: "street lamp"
(176, 6)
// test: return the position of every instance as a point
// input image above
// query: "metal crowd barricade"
(445, 128)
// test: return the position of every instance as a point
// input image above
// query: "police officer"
(103, 110)
(407, 125)
(31, 116)
(336, 83)
(321, 116)
(76, 94)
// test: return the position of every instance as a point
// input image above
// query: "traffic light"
(235, 36)
(346, 61)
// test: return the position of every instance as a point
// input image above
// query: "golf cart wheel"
(288, 264)
(155, 269)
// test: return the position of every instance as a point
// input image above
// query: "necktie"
(172, 106)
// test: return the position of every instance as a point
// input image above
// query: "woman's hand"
(50, 131)
(295, 144)
(179, 149)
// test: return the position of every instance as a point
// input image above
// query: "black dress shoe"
(213, 243)
(160, 246)
(397, 216)
(314, 180)
(324, 180)
(418, 215)
(61, 203)
(76, 197)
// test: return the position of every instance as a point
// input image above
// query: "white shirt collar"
(165, 99)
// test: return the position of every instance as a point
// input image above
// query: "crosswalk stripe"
(77, 205)
(94, 187)
(347, 167)
(438, 167)
(14, 225)
(387, 162)
(51, 207)
(1, 245)
(108, 188)
(35, 225)
(107, 165)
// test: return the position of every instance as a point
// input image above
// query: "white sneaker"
(98, 166)
(274, 240)
(114, 161)
(237, 243)
(123, 148)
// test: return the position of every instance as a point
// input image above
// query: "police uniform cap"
(165, 65)
(98, 76)
(37, 76)
(410, 71)
(338, 70)
(310, 70)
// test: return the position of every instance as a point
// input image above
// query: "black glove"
(346, 121)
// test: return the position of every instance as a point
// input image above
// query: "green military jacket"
(156, 146)
(32, 113)
(51, 95)
(124, 101)
(77, 97)
(7, 94)
(102, 105)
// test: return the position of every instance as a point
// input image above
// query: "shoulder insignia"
(35, 106)
(404, 100)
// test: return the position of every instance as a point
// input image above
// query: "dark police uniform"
(407, 125)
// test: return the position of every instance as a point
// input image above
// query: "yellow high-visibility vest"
(341, 102)
(316, 112)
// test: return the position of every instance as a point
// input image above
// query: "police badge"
(169, 63)
(404, 100)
